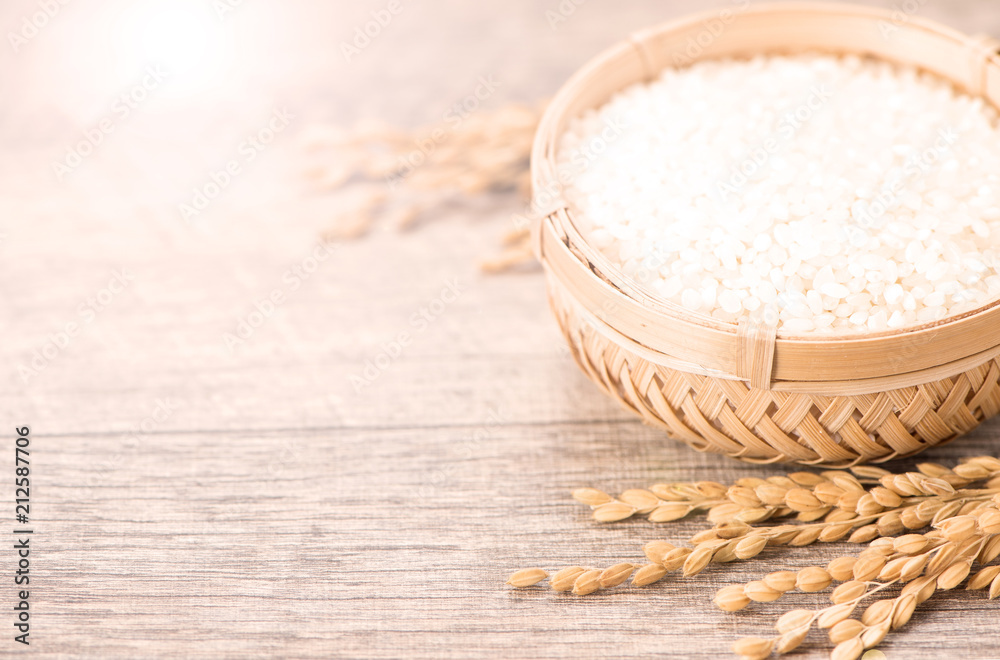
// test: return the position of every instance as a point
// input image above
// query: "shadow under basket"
(746, 390)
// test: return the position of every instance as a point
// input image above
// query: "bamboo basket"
(746, 390)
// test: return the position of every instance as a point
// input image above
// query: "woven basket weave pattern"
(746, 390)
(726, 416)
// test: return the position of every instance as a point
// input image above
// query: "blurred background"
(120, 113)
(238, 451)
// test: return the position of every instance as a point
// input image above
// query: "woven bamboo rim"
(744, 390)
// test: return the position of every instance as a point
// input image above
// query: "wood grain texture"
(276, 512)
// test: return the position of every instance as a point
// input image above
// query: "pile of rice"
(818, 193)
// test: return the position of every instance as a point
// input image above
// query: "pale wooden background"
(276, 513)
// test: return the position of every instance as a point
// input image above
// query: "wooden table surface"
(199, 499)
